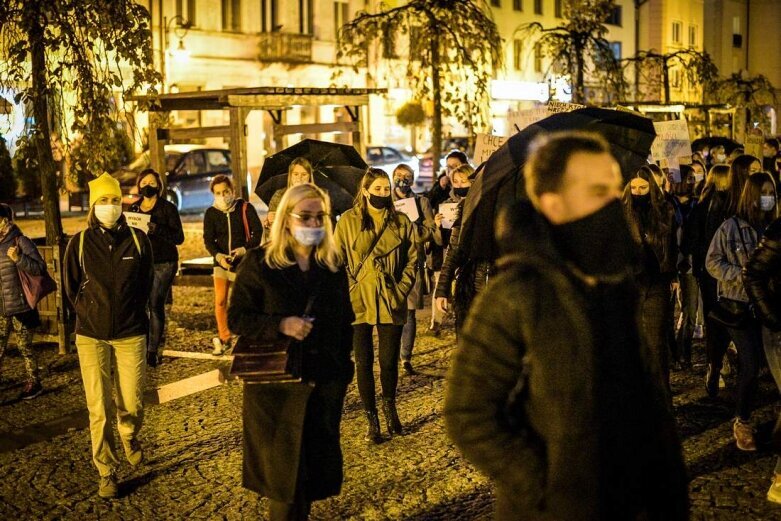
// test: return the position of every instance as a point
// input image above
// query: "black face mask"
(641, 202)
(461, 192)
(599, 244)
(380, 202)
(404, 185)
(149, 191)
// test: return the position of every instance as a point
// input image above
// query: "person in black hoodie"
(108, 277)
(17, 252)
(230, 227)
(652, 222)
(295, 286)
(165, 234)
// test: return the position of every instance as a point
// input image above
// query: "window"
(231, 15)
(217, 160)
(677, 29)
(616, 48)
(517, 54)
(186, 9)
(537, 58)
(557, 8)
(496, 3)
(389, 44)
(675, 78)
(306, 16)
(615, 16)
(692, 36)
(517, 5)
(737, 33)
(537, 6)
(341, 16)
(269, 12)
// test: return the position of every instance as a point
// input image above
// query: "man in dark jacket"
(551, 393)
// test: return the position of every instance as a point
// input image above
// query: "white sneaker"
(219, 347)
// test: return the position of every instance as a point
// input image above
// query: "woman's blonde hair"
(302, 162)
(279, 249)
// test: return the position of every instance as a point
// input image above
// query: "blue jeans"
(164, 273)
(408, 335)
(748, 342)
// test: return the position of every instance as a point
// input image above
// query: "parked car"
(189, 171)
(388, 158)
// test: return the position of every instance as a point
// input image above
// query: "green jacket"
(379, 290)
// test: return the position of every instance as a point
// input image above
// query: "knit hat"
(6, 212)
(103, 185)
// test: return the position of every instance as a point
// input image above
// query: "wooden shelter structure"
(239, 103)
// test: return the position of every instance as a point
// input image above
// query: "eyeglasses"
(314, 218)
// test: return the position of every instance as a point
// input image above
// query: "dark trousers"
(716, 335)
(748, 342)
(408, 335)
(656, 314)
(164, 273)
(689, 297)
(389, 347)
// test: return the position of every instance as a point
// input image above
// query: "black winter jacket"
(110, 291)
(528, 340)
(706, 217)
(167, 233)
(30, 260)
(225, 231)
(762, 277)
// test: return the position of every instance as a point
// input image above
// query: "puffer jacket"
(378, 291)
(528, 341)
(30, 260)
(762, 277)
(728, 254)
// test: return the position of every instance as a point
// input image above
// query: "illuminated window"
(616, 48)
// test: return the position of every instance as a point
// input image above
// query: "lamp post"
(180, 31)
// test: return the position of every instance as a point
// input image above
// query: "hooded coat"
(13, 300)
(379, 290)
(526, 402)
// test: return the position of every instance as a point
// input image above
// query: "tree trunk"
(579, 90)
(436, 147)
(40, 102)
(666, 81)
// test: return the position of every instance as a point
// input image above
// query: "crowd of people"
(559, 389)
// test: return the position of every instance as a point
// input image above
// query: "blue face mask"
(308, 236)
(767, 202)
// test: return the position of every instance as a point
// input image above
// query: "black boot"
(392, 418)
(373, 435)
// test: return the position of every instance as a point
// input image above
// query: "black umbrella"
(501, 181)
(341, 198)
(715, 141)
(320, 154)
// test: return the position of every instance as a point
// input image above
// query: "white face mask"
(698, 178)
(767, 202)
(223, 203)
(108, 214)
(308, 236)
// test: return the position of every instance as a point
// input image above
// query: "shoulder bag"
(35, 287)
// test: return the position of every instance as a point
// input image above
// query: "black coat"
(11, 293)
(167, 233)
(531, 325)
(110, 291)
(291, 428)
(706, 217)
(217, 224)
(762, 277)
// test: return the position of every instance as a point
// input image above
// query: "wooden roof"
(260, 98)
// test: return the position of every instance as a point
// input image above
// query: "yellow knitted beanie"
(103, 185)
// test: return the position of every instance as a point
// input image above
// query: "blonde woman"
(379, 247)
(292, 452)
(299, 172)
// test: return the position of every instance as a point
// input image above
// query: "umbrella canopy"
(714, 141)
(501, 182)
(342, 199)
(320, 154)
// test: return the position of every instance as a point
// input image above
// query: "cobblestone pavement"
(193, 445)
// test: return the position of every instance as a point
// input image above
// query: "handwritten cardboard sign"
(449, 213)
(485, 145)
(672, 140)
(138, 220)
(753, 143)
(408, 207)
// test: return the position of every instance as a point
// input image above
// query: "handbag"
(731, 313)
(278, 361)
(35, 287)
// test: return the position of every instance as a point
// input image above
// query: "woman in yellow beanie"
(108, 276)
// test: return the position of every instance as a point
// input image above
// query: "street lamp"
(180, 54)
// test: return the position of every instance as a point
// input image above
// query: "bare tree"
(698, 67)
(454, 47)
(750, 93)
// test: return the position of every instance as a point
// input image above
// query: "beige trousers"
(96, 358)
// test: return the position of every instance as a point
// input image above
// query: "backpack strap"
(135, 239)
(246, 221)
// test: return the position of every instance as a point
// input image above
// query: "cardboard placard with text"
(138, 220)
(408, 207)
(449, 213)
(672, 140)
(485, 145)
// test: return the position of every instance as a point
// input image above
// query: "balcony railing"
(285, 47)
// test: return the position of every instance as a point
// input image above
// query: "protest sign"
(138, 220)
(485, 145)
(753, 143)
(672, 140)
(408, 207)
(449, 213)
(518, 120)
(554, 107)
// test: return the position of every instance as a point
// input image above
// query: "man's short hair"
(219, 179)
(772, 142)
(458, 155)
(549, 156)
